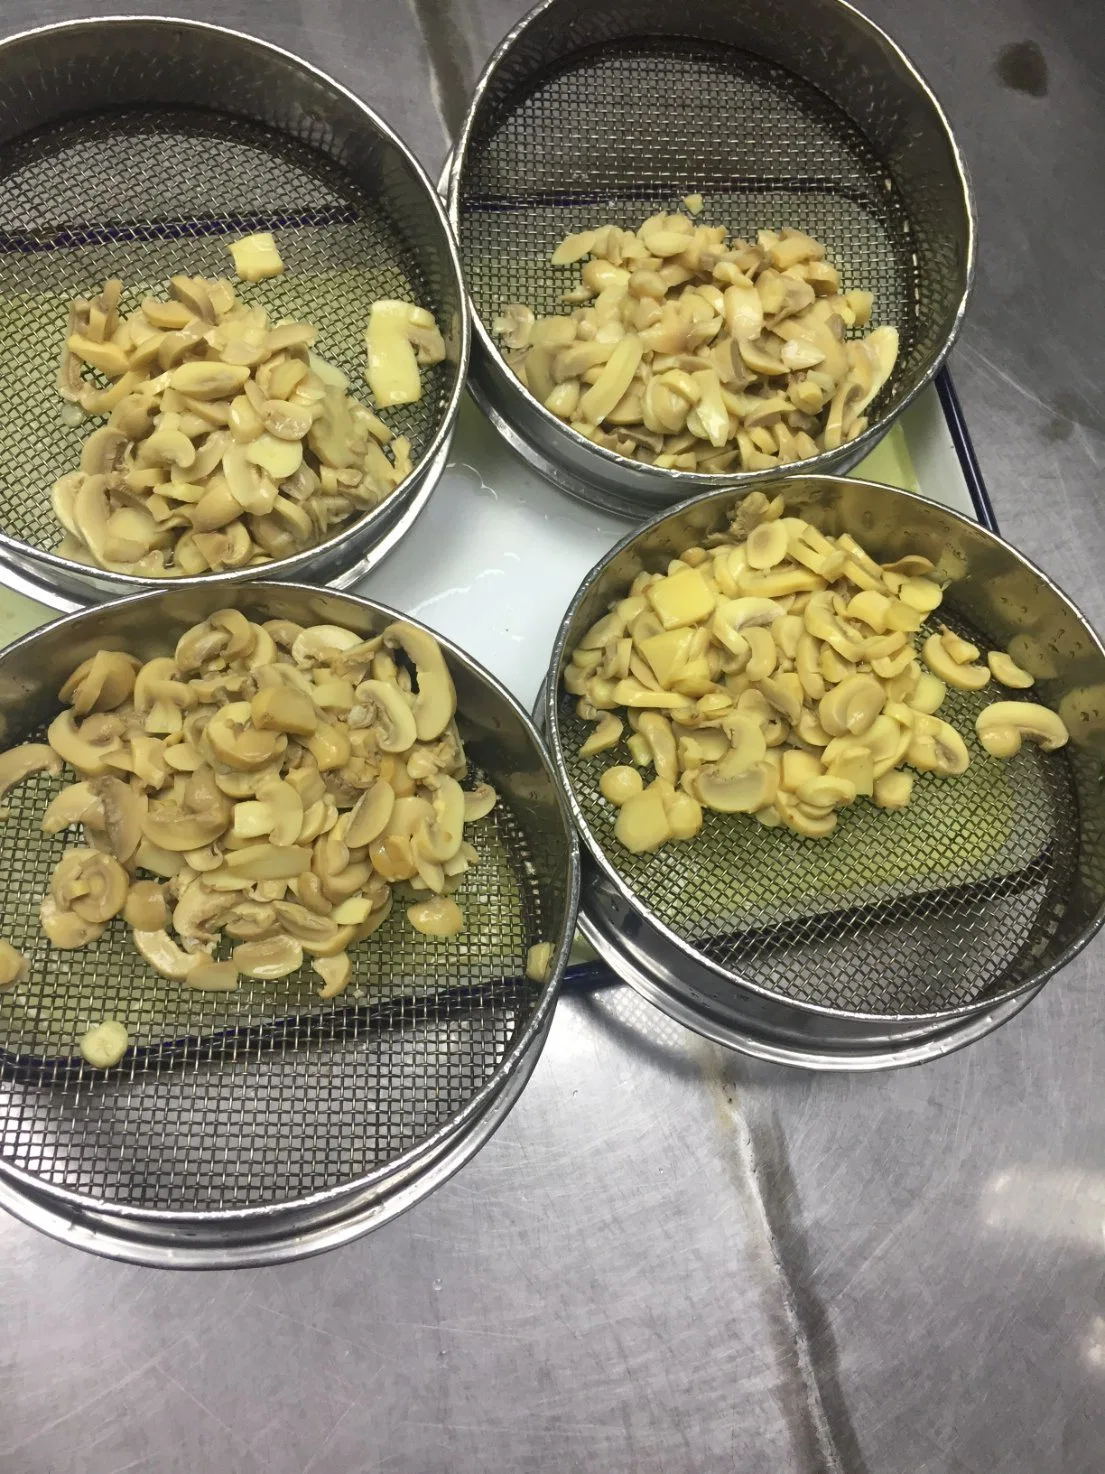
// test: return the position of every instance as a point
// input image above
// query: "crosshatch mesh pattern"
(929, 908)
(618, 134)
(143, 195)
(267, 1094)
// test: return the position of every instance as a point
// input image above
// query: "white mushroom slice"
(64, 928)
(270, 957)
(389, 713)
(1002, 726)
(104, 1046)
(18, 764)
(392, 368)
(14, 967)
(76, 804)
(166, 957)
(436, 701)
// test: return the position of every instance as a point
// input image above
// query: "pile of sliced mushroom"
(228, 442)
(783, 674)
(692, 354)
(264, 784)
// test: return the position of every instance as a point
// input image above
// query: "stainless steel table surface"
(670, 1259)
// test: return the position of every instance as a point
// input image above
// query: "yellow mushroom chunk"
(1003, 726)
(439, 917)
(256, 257)
(642, 823)
(336, 973)
(13, 965)
(104, 1046)
(538, 961)
(893, 790)
(619, 784)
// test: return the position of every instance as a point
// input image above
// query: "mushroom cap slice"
(740, 793)
(170, 827)
(1002, 726)
(86, 748)
(18, 763)
(269, 957)
(100, 683)
(390, 714)
(166, 957)
(436, 701)
(122, 812)
(65, 928)
(234, 741)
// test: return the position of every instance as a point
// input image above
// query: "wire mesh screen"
(619, 133)
(959, 896)
(142, 195)
(266, 1094)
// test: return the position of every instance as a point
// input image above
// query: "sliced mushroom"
(64, 928)
(14, 967)
(1002, 727)
(166, 957)
(272, 957)
(19, 763)
(105, 1045)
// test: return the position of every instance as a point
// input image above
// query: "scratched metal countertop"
(670, 1259)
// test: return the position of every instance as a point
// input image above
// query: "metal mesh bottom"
(620, 133)
(142, 196)
(955, 897)
(267, 1094)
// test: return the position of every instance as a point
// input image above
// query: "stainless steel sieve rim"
(689, 955)
(127, 1243)
(419, 484)
(512, 1061)
(683, 484)
(639, 968)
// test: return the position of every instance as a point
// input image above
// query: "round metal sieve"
(777, 113)
(902, 934)
(266, 1123)
(137, 148)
